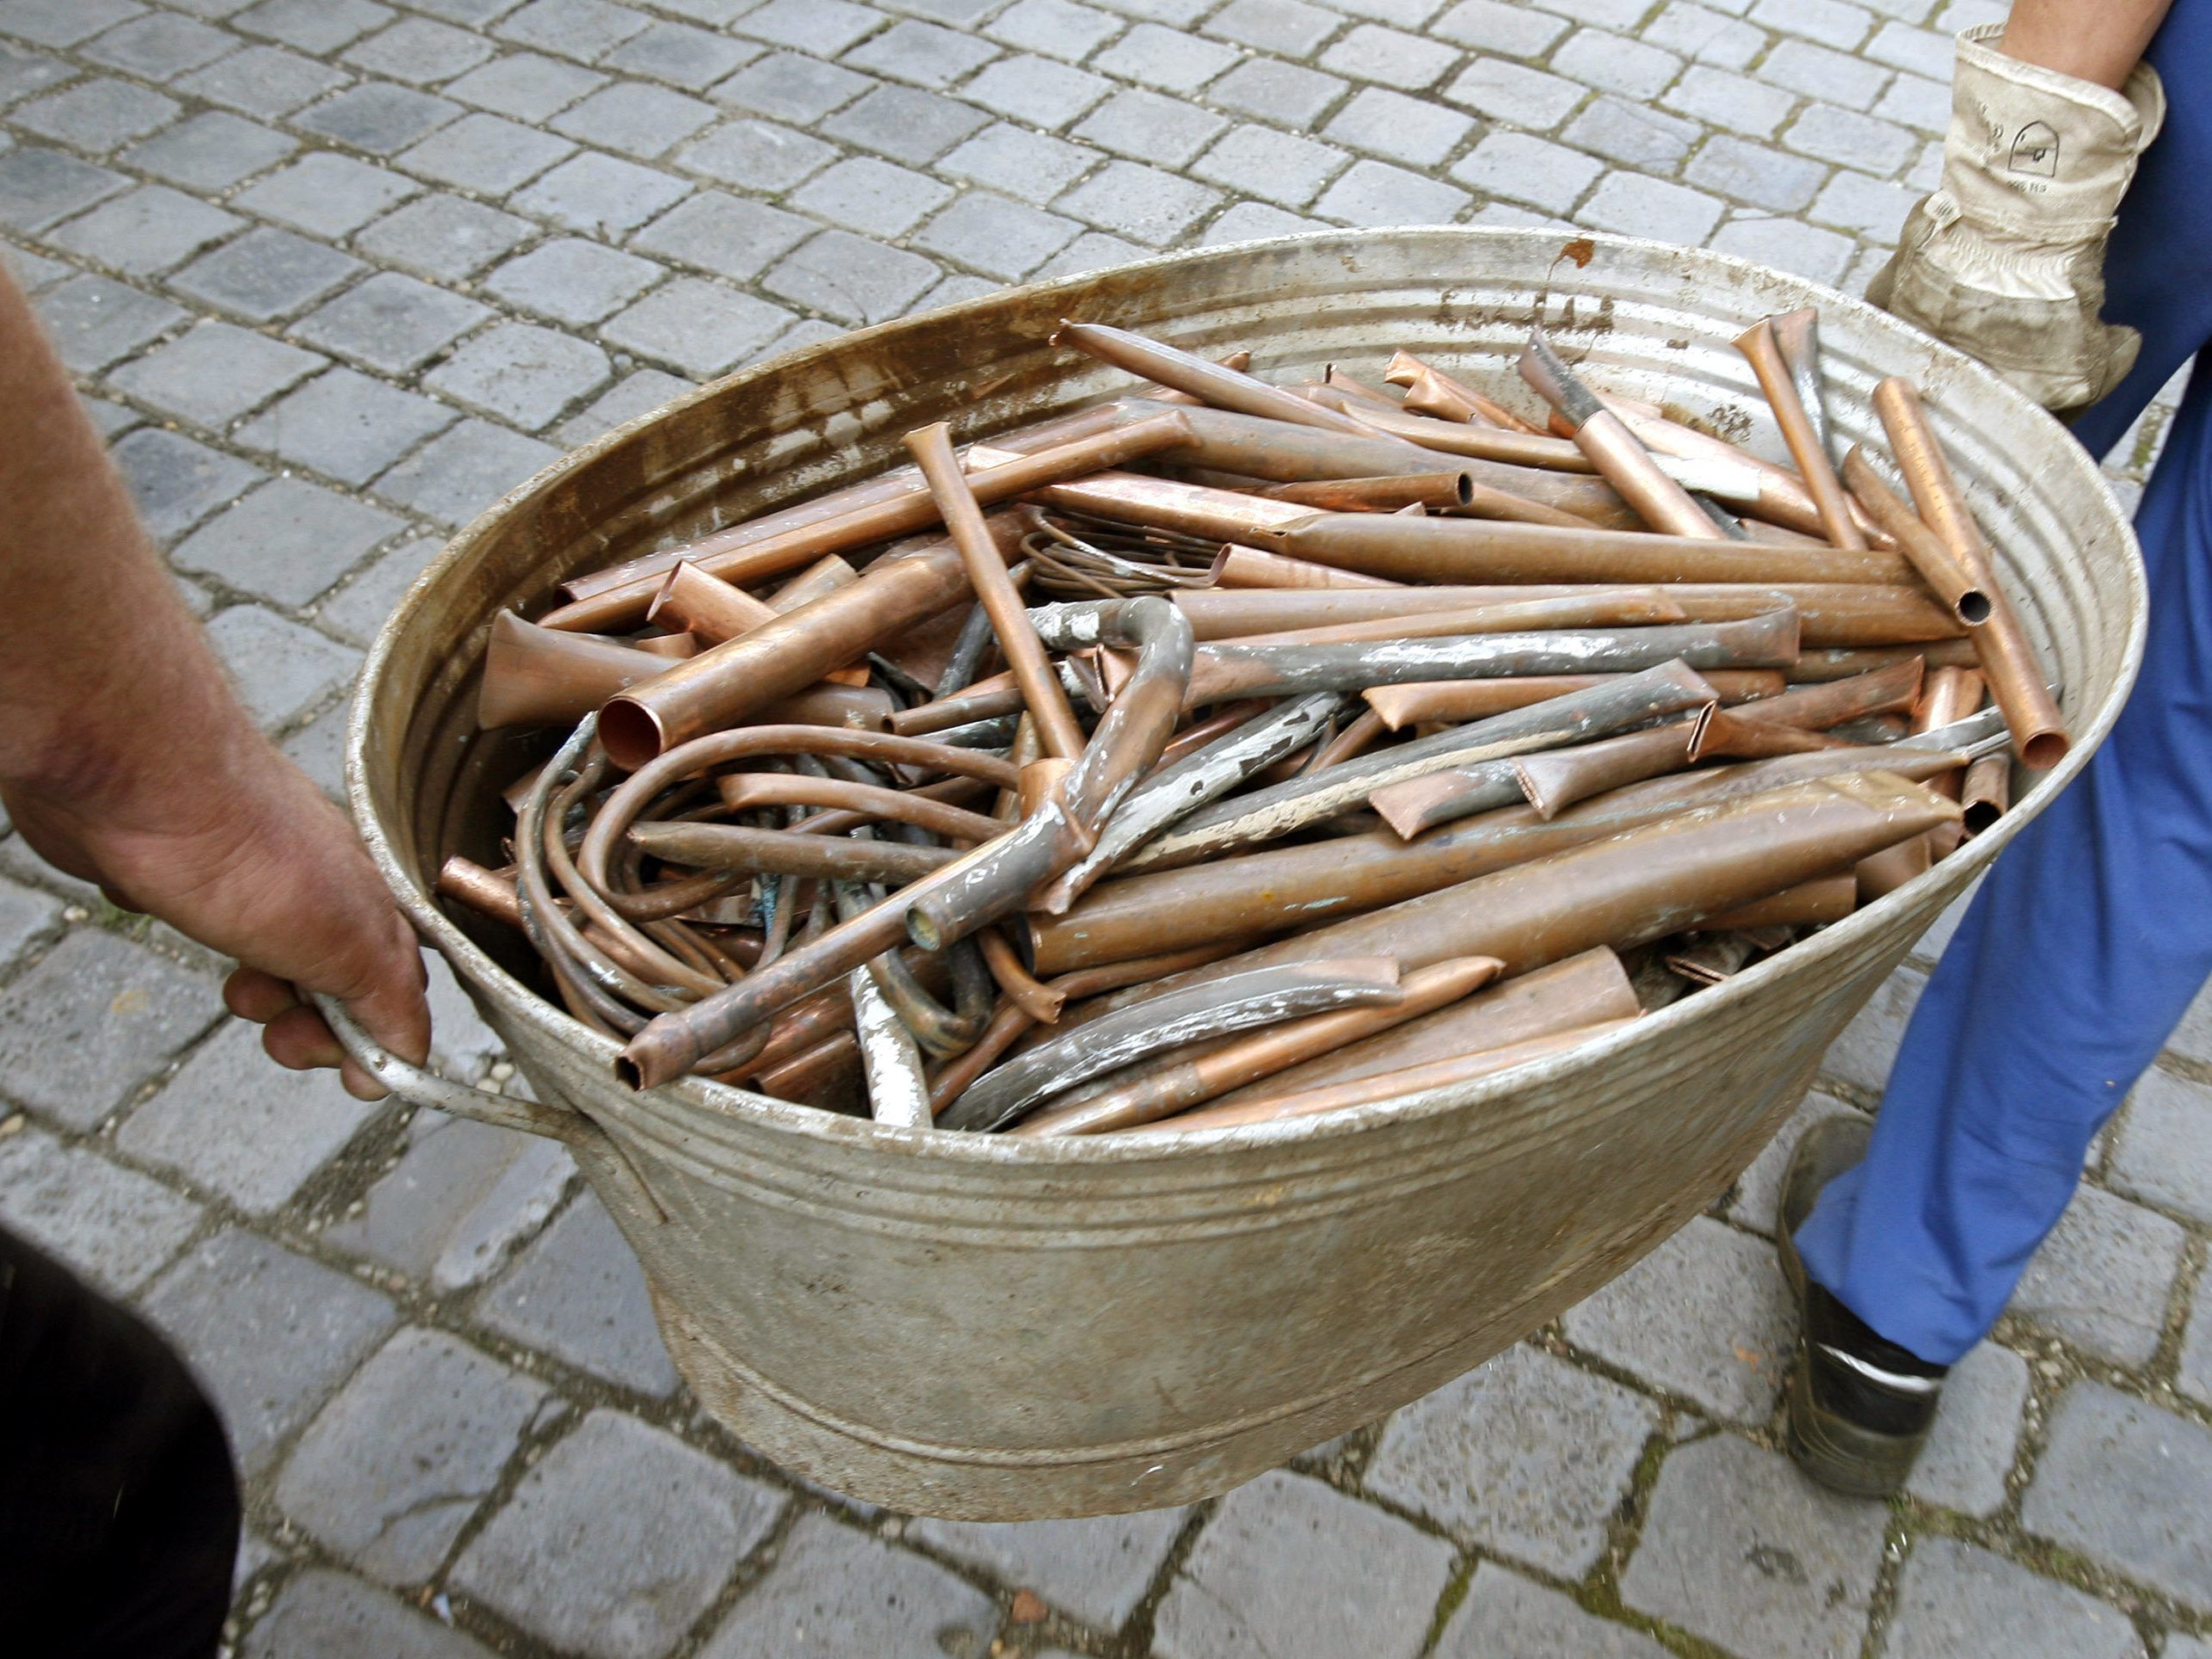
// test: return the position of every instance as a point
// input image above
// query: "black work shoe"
(1860, 1406)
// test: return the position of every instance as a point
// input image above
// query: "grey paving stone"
(526, 86)
(115, 1225)
(572, 281)
(2122, 1483)
(834, 1591)
(699, 327)
(1375, 193)
(1288, 26)
(24, 74)
(1036, 91)
(158, 46)
(312, 26)
(823, 28)
(910, 124)
(281, 669)
(175, 482)
(1786, 244)
(1492, 26)
(636, 394)
(148, 230)
(1248, 221)
(1731, 100)
(1528, 1455)
(269, 1332)
(1705, 35)
(1755, 173)
(459, 1203)
(264, 81)
(1005, 238)
(1977, 1433)
(1139, 202)
(108, 420)
(2101, 1280)
(359, 608)
(1057, 26)
(380, 118)
(97, 115)
(849, 278)
(1927, 52)
(232, 1121)
(1856, 140)
(602, 195)
(617, 1540)
(322, 1612)
(319, 749)
(1861, 1055)
(447, 238)
(638, 119)
(728, 236)
(1819, 72)
(1831, 21)
(485, 153)
(420, 51)
(1955, 1598)
(1410, 130)
(326, 195)
(1506, 1617)
(25, 916)
(521, 372)
(210, 151)
(1145, 124)
(391, 1471)
(1391, 56)
(1029, 165)
(1524, 169)
(1291, 1568)
(64, 22)
(460, 473)
(1741, 1549)
(1092, 251)
(288, 541)
(1274, 90)
(40, 186)
(2194, 1374)
(1503, 91)
(2179, 1646)
(391, 322)
(1259, 161)
(925, 53)
(1916, 103)
(578, 1294)
(1096, 1570)
(347, 425)
(758, 155)
(30, 271)
(1166, 57)
(791, 88)
(2164, 1154)
(584, 29)
(1758, 1189)
(676, 52)
(1705, 1316)
(872, 197)
(265, 275)
(214, 374)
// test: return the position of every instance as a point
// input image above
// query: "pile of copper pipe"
(1490, 726)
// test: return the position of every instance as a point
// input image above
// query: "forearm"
(2098, 41)
(111, 692)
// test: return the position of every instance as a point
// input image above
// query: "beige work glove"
(2006, 260)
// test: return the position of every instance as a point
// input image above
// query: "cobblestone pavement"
(335, 272)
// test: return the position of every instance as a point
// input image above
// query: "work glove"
(2005, 259)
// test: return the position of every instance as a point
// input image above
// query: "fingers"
(252, 994)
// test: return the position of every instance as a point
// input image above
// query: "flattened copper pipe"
(1737, 735)
(912, 508)
(537, 676)
(1885, 872)
(706, 605)
(1613, 449)
(1192, 509)
(743, 791)
(1892, 688)
(1181, 1084)
(1224, 388)
(1437, 489)
(1357, 736)
(1465, 550)
(1813, 666)
(932, 447)
(1223, 1004)
(1952, 582)
(1816, 902)
(1408, 370)
(1247, 567)
(1600, 607)
(825, 576)
(2016, 681)
(1830, 613)
(1762, 349)
(1275, 888)
(1333, 376)
(1797, 336)
(1401, 706)
(1987, 792)
(1428, 392)
(1554, 781)
(783, 852)
(483, 890)
(1383, 1086)
(676, 645)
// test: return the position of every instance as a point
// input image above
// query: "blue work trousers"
(2093, 932)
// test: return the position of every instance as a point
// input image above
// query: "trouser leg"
(119, 1510)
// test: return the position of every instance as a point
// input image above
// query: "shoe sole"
(1840, 1456)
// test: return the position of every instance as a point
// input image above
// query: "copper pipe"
(1224, 388)
(1428, 392)
(976, 702)
(1987, 792)
(1830, 613)
(1814, 666)
(1227, 669)
(1666, 687)
(1191, 509)
(1950, 695)
(483, 890)
(1811, 903)
(1437, 489)
(1552, 782)
(1247, 567)
(1383, 1086)
(1356, 738)
(1613, 449)
(1275, 888)
(1142, 715)
(816, 1074)
(1408, 370)
(1036, 999)
(1764, 351)
(1192, 738)
(2015, 674)
(782, 852)
(910, 507)
(1885, 872)
(1334, 377)
(736, 680)
(1797, 338)
(1222, 1004)
(1464, 549)
(536, 676)
(1177, 1085)
(1894, 688)
(1483, 502)
(825, 576)
(1434, 700)
(1597, 607)
(1953, 584)
(1782, 502)
(706, 605)
(743, 791)
(1736, 735)
(1534, 450)
(932, 447)
(1236, 359)
(674, 646)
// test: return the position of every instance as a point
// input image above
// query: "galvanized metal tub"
(994, 1329)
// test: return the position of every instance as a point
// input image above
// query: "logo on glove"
(2035, 151)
